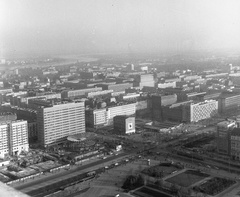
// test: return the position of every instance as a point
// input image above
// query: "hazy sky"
(103, 26)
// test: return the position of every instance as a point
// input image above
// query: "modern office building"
(13, 137)
(156, 107)
(158, 101)
(179, 112)
(223, 136)
(57, 122)
(124, 125)
(32, 132)
(235, 143)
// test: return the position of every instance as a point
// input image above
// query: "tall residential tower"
(57, 122)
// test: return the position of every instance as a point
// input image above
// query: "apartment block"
(96, 118)
(116, 87)
(13, 137)
(57, 122)
(203, 110)
(78, 93)
(4, 139)
(128, 110)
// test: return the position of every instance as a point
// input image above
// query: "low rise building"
(124, 125)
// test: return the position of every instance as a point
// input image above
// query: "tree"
(174, 188)
(133, 182)
(159, 183)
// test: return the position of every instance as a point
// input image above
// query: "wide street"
(53, 178)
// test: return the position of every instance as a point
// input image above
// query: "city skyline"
(93, 27)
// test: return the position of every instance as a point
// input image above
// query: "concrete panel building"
(167, 85)
(7, 116)
(228, 101)
(98, 93)
(128, 110)
(78, 93)
(56, 123)
(179, 112)
(116, 87)
(223, 136)
(235, 143)
(161, 100)
(4, 144)
(96, 118)
(189, 111)
(13, 137)
(124, 125)
(99, 117)
(203, 110)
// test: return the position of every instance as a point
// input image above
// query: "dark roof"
(235, 132)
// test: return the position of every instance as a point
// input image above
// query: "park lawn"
(187, 178)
